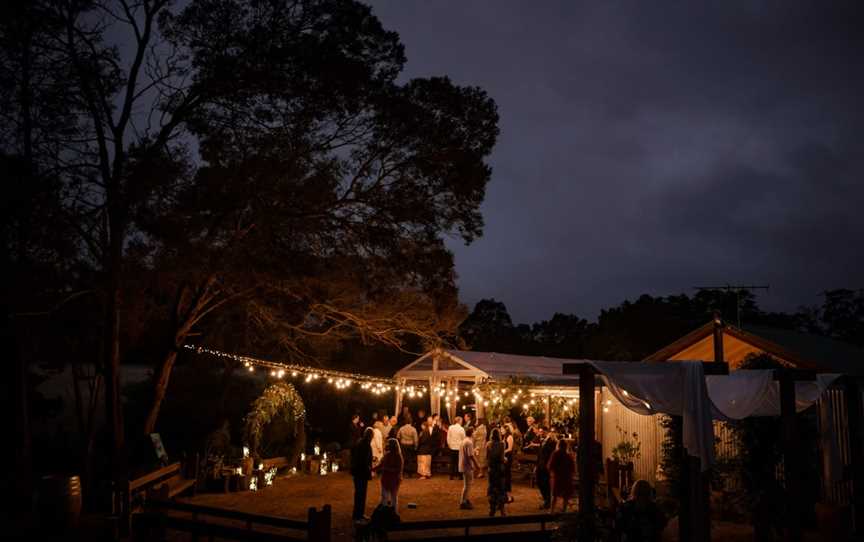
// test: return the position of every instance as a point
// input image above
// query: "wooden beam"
(718, 338)
(708, 367)
(586, 449)
(791, 457)
(794, 375)
(852, 395)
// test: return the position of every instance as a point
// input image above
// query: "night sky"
(649, 151)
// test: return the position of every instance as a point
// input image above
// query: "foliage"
(628, 448)
(671, 452)
(635, 329)
(280, 402)
(760, 455)
(507, 398)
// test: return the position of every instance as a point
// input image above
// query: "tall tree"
(489, 328)
(325, 186)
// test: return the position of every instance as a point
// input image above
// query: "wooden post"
(319, 524)
(547, 411)
(791, 458)
(434, 401)
(479, 411)
(852, 394)
(685, 496)
(718, 337)
(586, 449)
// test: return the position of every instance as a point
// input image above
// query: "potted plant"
(624, 453)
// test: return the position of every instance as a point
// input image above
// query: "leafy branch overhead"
(253, 171)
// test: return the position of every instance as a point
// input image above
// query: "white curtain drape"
(746, 393)
(676, 389)
(682, 389)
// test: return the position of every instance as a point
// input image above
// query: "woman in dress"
(426, 449)
(479, 437)
(509, 452)
(495, 464)
(561, 467)
(391, 474)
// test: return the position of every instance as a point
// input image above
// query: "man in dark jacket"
(356, 431)
(361, 471)
(542, 470)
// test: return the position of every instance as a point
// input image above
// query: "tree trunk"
(186, 316)
(23, 476)
(161, 387)
(111, 347)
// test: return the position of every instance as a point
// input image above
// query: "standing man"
(361, 472)
(530, 438)
(467, 466)
(356, 430)
(408, 441)
(542, 471)
(468, 421)
(455, 436)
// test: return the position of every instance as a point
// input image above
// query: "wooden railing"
(464, 525)
(161, 516)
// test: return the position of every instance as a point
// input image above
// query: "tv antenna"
(732, 288)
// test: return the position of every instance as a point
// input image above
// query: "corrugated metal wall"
(833, 424)
(646, 427)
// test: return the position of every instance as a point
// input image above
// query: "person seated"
(639, 519)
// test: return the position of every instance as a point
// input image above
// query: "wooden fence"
(464, 526)
(163, 516)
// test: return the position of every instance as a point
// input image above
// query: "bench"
(161, 484)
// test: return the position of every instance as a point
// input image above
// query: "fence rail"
(466, 524)
(162, 515)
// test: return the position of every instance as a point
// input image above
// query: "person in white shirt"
(455, 436)
(467, 466)
(377, 444)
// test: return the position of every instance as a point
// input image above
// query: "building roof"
(801, 350)
(490, 365)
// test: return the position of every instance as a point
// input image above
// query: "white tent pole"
(399, 383)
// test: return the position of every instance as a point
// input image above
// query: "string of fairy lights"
(488, 393)
(340, 380)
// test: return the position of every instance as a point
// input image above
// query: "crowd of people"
(395, 447)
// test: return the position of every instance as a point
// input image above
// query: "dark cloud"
(651, 150)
